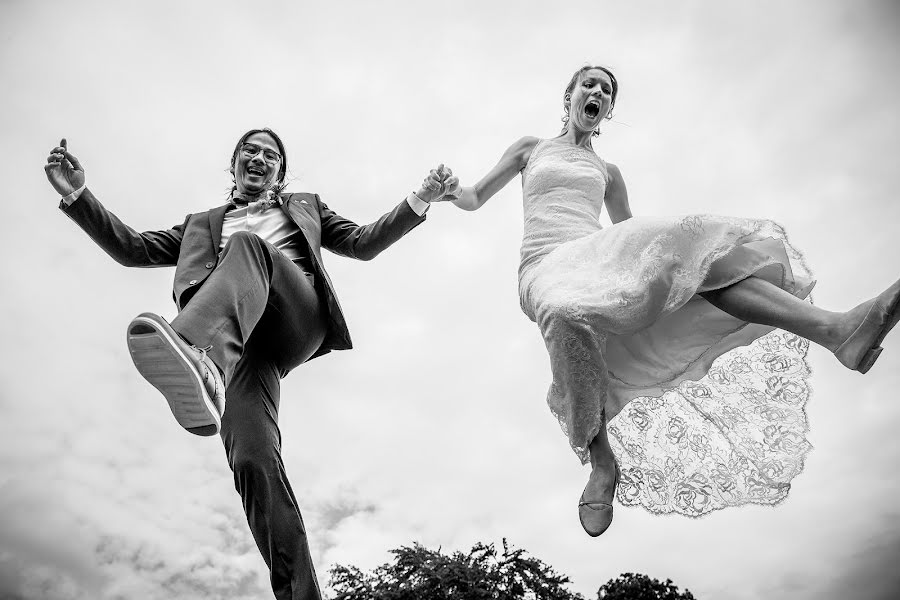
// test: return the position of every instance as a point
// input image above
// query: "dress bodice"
(562, 189)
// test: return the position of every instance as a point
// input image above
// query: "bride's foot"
(595, 509)
(866, 327)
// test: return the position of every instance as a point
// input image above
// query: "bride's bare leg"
(595, 509)
(603, 468)
(758, 301)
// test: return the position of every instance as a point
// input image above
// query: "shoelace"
(209, 374)
(202, 351)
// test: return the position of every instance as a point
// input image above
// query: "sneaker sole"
(158, 358)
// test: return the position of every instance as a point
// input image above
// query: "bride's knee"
(562, 312)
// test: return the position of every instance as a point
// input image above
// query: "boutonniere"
(271, 198)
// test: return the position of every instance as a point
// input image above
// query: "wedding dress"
(703, 410)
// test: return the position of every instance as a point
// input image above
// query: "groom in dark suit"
(254, 302)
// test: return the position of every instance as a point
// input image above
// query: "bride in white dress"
(677, 344)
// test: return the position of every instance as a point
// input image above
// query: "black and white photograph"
(415, 300)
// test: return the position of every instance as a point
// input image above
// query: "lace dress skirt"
(703, 410)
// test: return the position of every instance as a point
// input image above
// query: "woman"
(668, 321)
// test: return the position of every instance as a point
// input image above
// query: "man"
(254, 302)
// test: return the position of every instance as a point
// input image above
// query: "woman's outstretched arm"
(616, 198)
(511, 163)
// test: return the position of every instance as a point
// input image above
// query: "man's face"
(257, 164)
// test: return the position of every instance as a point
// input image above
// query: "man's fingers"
(73, 160)
(62, 143)
(442, 172)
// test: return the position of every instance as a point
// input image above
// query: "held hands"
(441, 185)
(63, 170)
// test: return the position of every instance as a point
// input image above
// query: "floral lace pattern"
(704, 410)
(736, 436)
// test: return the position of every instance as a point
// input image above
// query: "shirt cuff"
(419, 206)
(68, 200)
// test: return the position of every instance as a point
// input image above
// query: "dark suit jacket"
(193, 246)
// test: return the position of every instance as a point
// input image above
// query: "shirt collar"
(268, 197)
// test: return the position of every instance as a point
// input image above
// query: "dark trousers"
(262, 316)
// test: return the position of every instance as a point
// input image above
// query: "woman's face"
(590, 99)
(257, 164)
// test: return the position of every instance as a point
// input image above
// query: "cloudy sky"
(434, 428)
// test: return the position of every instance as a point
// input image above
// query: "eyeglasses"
(250, 150)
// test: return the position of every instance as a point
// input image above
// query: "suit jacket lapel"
(303, 217)
(216, 218)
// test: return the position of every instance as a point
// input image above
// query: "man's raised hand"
(441, 185)
(450, 188)
(432, 187)
(63, 170)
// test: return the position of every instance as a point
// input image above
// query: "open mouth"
(256, 171)
(592, 109)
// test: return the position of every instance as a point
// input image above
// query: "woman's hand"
(451, 188)
(440, 185)
(63, 170)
